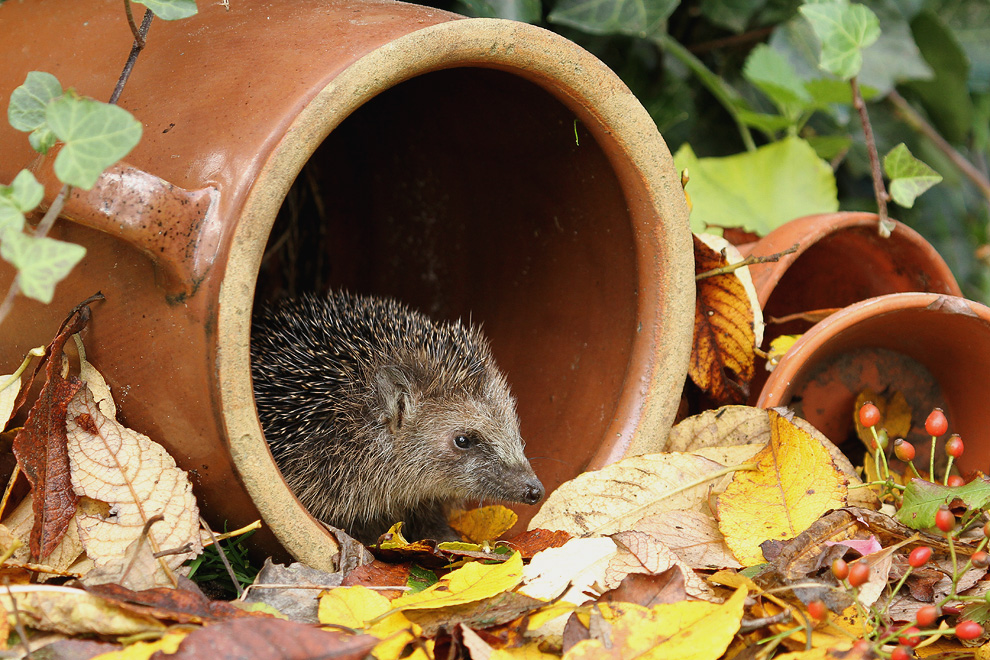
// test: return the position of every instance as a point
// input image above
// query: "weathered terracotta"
(933, 348)
(471, 167)
(840, 260)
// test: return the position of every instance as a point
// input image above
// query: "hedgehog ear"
(395, 390)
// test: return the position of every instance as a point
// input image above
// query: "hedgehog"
(376, 414)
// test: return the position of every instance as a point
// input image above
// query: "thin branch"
(913, 119)
(140, 35)
(879, 191)
(223, 558)
(743, 39)
(748, 261)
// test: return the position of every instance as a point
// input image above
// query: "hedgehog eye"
(463, 442)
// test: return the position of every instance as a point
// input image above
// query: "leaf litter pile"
(752, 536)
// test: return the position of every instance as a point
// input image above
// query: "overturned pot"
(469, 167)
(934, 349)
(840, 259)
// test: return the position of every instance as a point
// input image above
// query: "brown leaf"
(171, 605)
(271, 639)
(380, 574)
(499, 609)
(722, 357)
(533, 541)
(41, 451)
(648, 590)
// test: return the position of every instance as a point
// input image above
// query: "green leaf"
(26, 111)
(96, 135)
(758, 190)
(420, 578)
(844, 31)
(774, 76)
(769, 125)
(923, 498)
(170, 10)
(830, 146)
(731, 14)
(20, 197)
(525, 11)
(11, 218)
(637, 18)
(909, 177)
(42, 139)
(41, 262)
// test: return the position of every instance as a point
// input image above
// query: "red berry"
(840, 569)
(817, 610)
(954, 446)
(903, 450)
(936, 424)
(944, 519)
(909, 637)
(968, 630)
(919, 556)
(869, 415)
(986, 530)
(954, 481)
(859, 573)
(926, 616)
(980, 559)
(900, 653)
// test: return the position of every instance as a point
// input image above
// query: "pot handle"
(177, 228)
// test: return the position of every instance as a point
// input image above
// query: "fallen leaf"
(138, 479)
(73, 611)
(722, 357)
(778, 349)
(473, 581)
(299, 604)
(497, 610)
(485, 523)
(693, 536)
(272, 639)
(40, 446)
(639, 552)
(94, 381)
(167, 644)
(895, 415)
(358, 607)
(795, 483)
(611, 499)
(536, 540)
(8, 395)
(689, 630)
(648, 590)
(552, 571)
(21, 521)
(171, 605)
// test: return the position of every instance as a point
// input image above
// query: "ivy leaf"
(96, 135)
(26, 111)
(909, 177)
(170, 10)
(637, 18)
(41, 262)
(923, 498)
(758, 190)
(20, 197)
(844, 30)
(774, 76)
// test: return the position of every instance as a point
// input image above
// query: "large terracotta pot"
(840, 260)
(934, 349)
(470, 167)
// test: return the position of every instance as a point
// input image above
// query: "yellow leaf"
(472, 582)
(687, 630)
(529, 651)
(795, 482)
(167, 644)
(546, 614)
(778, 348)
(485, 523)
(355, 607)
(895, 415)
(396, 539)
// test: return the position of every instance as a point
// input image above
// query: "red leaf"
(40, 447)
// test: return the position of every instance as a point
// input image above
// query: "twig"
(884, 226)
(140, 35)
(748, 261)
(223, 558)
(145, 536)
(913, 119)
(811, 316)
(743, 39)
(17, 620)
(237, 532)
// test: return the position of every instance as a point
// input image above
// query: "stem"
(139, 41)
(728, 97)
(931, 462)
(748, 261)
(948, 469)
(913, 119)
(879, 191)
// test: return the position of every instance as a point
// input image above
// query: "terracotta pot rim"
(823, 332)
(643, 414)
(815, 227)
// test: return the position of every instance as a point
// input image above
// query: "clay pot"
(470, 167)
(934, 349)
(840, 260)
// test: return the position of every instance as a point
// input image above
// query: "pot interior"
(475, 194)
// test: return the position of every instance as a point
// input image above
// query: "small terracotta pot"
(840, 260)
(470, 167)
(934, 349)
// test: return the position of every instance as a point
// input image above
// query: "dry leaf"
(73, 611)
(578, 564)
(95, 381)
(795, 483)
(485, 523)
(895, 415)
(473, 581)
(688, 630)
(693, 536)
(167, 644)
(778, 349)
(137, 478)
(612, 499)
(639, 552)
(8, 396)
(722, 357)
(62, 556)
(356, 607)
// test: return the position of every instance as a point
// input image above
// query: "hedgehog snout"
(533, 492)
